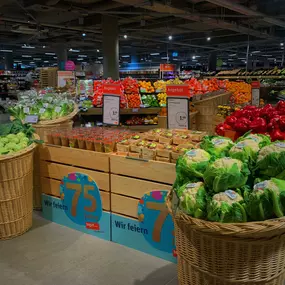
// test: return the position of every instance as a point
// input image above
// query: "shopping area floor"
(50, 254)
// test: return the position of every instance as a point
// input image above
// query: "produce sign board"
(177, 90)
(255, 93)
(112, 89)
(111, 109)
(167, 67)
(178, 113)
(74, 196)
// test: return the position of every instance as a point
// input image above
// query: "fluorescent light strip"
(82, 55)
(124, 56)
(26, 55)
(24, 46)
(55, 57)
(6, 50)
(46, 61)
(50, 53)
(155, 53)
(100, 57)
(79, 58)
(165, 57)
(74, 50)
(36, 58)
(256, 51)
(268, 55)
(233, 54)
(18, 61)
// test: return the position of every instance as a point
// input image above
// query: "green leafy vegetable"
(261, 139)
(245, 150)
(226, 173)
(216, 145)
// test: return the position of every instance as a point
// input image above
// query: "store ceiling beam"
(247, 11)
(180, 12)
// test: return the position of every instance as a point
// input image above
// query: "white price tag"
(26, 110)
(31, 119)
(42, 110)
(255, 96)
(111, 109)
(177, 113)
(57, 109)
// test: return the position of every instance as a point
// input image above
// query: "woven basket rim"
(21, 152)
(247, 229)
(59, 120)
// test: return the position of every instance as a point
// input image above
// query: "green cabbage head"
(245, 150)
(266, 200)
(226, 207)
(216, 145)
(226, 173)
(193, 199)
(261, 139)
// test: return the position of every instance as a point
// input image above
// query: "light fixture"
(18, 61)
(82, 55)
(37, 58)
(142, 59)
(256, 51)
(170, 38)
(6, 50)
(165, 57)
(193, 57)
(125, 36)
(155, 53)
(79, 58)
(100, 57)
(83, 34)
(74, 50)
(25, 46)
(125, 55)
(50, 53)
(32, 62)
(55, 57)
(26, 55)
(233, 54)
(282, 44)
(268, 55)
(46, 61)
(208, 39)
(44, 46)
(98, 50)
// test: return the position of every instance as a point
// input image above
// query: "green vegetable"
(216, 145)
(262, 140)
(245, 150)
(11, 146)
(266, 199)
(226, 173)
(193, 199)
(271, 160)
(3, 150)
(226, 207)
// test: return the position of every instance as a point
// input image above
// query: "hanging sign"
(69, 65)
(177, 106)
(112, 89)
(255, 93)
(167, 67)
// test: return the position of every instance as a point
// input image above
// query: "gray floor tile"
(51, 254)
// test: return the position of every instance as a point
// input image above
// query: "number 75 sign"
(155, 219)
(81, 200)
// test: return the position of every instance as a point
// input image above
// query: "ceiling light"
(100, 57)
(208, 39)
(282, 44)
(46, 61)
(256, 51)
(18, 61)
(125, 55)
(193, 57)
(36, 58)
(233, 54)
(31, 62)
(155, 53)
(164, 57)
(142, 59)
(82, 55)
(170, 38)
(83, 34)
(98, 50)
(50, 53)
(6, 50)
(79, 58)
(125, 36)
(26, 55)
(55, 57)
(74, 50)
(267, 55)
(44, 46)
(175, 59)
(25, 46)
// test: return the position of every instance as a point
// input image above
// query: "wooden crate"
(131, 180)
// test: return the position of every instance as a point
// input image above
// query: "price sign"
(31, 119)
(177, 113)
(153, 216)
(81, 200)
(255, 93)
(111, 109)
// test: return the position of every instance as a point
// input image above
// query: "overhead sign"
(69, 65)
(255, 93)
(177, 90)
(111, 109)
(114, 89)
(167, 67)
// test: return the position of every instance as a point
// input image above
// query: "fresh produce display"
(84, 87)
(15, 136)
(229, 190)
(266, 120)
(48, 106)
(134, 100)
(130, 85)
(146, 87)
(160, 86)
(241, 91)
(149, 100)
(216, 145)
(142, 120)
(162, 99)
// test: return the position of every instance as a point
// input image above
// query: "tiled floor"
(50, 254)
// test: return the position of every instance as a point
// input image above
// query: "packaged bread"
(153, 135)
(149, 150)
(164, 151)
(180, 139)
(137, 146)
(166, 137)
(197, 135)
(177, 151)
(123, 146)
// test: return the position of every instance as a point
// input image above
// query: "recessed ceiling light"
(208, 39)
(25, 46)
(83, 34)
(125, 36)
(37, 58)
(44, 46)
(79, 58)
(282, 44)
(6, 50)
(46, 61)
(82, 55)
(233, 54)
(193, 57)
(170, 38)
(98, 50)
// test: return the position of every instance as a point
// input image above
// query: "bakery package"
(123, 146)
(196, 136)
(166, 137)
(153, 135)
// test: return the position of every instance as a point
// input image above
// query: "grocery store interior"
(142, 142)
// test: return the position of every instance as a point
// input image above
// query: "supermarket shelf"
(128, 111)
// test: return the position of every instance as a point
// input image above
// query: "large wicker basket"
(229, 254)
(16, 193)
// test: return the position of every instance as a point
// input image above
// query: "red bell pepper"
(241, 127)
(258, 125)
(282, 123)
(244, 121)
(231, 120)
(280, 105)
(277, 135)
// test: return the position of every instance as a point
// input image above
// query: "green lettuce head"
(271, 160)
(266, 200)
(216, 145)
(226, 173)
(245, 150)
(226, 207)
(262, 140)
(193, 199)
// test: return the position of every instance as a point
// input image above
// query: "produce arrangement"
(241, 91)
(15, 136)
(47, 106)
(160, 144)
(84, 87)
(141, 120)
(229, 182)
(150, 100)
(266, 120)
(146, 87)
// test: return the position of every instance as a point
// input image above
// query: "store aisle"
(51, 254)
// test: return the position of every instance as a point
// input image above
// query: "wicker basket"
(229, 254)
(16, 191)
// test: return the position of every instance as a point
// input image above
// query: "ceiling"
(197, 27)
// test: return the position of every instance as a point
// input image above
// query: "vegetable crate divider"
(131, 179)
(208, 108)
(56, 162)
